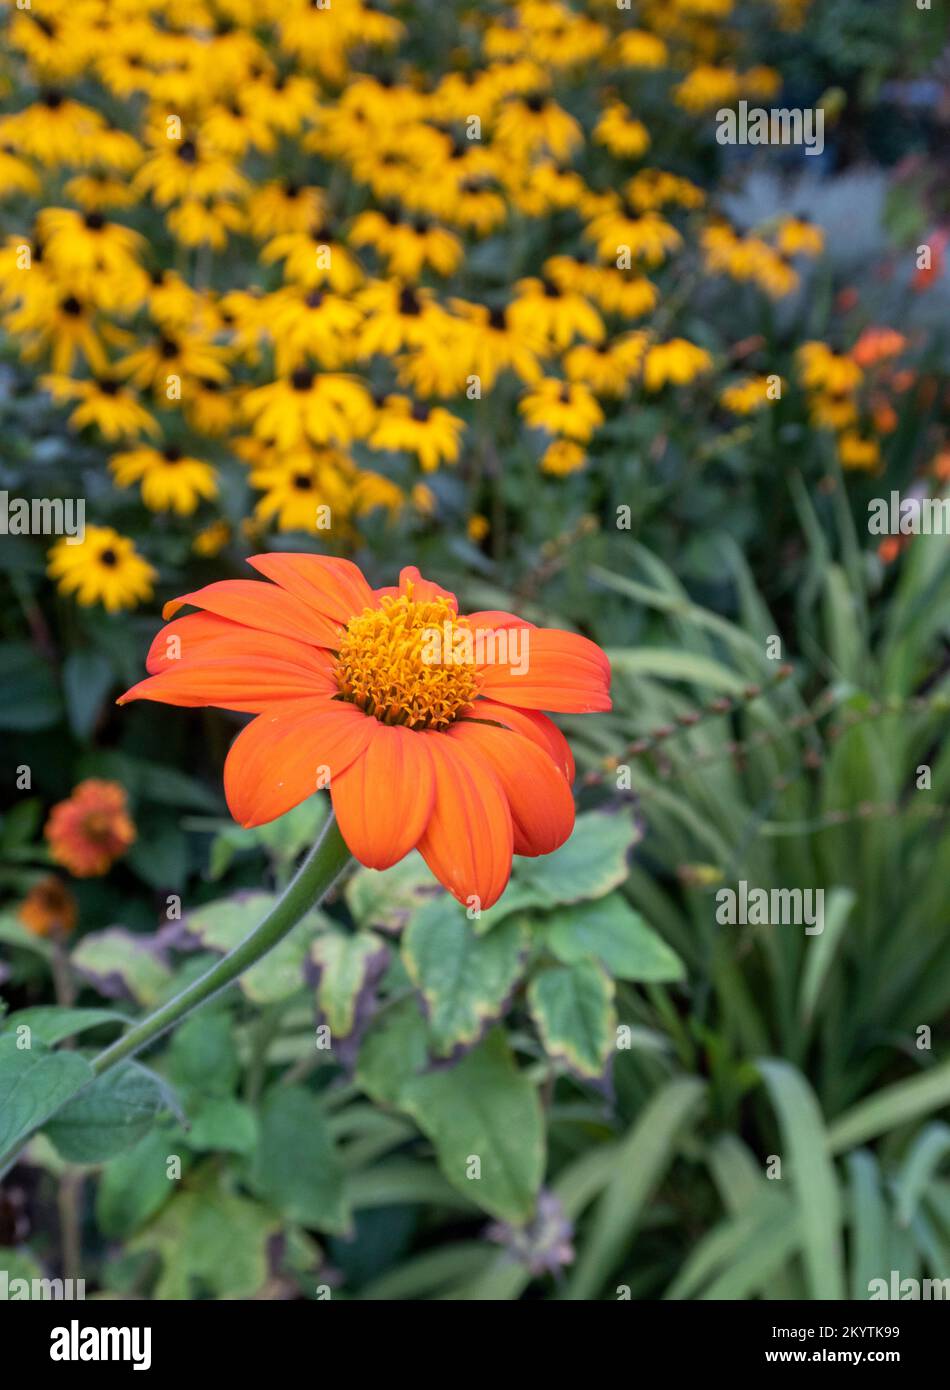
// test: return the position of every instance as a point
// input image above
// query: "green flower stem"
(316, 875)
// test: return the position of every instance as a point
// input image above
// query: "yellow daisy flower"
(103, 568)
(171, 481)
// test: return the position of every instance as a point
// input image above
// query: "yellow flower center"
(408, 662)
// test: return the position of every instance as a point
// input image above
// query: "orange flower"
(90, 830)
(425, 724)
(877, 345)
(49, 908)
(891, 547)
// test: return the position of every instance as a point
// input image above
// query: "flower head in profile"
(49, 909)
(89, 831)
(426, 725)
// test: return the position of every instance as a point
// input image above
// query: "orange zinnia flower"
(48, 908)
(425, 724)
(91, 829)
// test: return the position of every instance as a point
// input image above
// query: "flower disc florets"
(396, 662)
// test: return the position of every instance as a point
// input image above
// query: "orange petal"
(495, 618)
(333, 587)
(422, 589)
(538, 727)
(542, 807)
(204, 637)
(261, 606)
(288, 753)
(384, 799)
(192, 632)
(564, 672)
(233, 683)
(468, 841)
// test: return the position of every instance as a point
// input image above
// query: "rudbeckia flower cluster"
(285, 261)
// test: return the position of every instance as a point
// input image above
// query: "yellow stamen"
(396, 662)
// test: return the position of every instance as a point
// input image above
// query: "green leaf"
(609, 930)
(573, 1008)
(640, 1161)
(463, 978)
(387, 899)
(296, 1166)
(225, 924)
(111, 1115)
(224, 1123)
(590, 864)
(20, 1264)
(117, 963)
(160, 853)
(669, 663)
(484, 1108)
(21, 823)
(135, 1185)
(394, 1051)
(202, 1058)
(812, 1174)
(893, 1106)
(869, 1222)
(348, 964)
(14, 933)
(210, 1243)
(30, 697)
(87, 679)
(52, 1024)
(294, 831)
(34, 1083)
(920, 1168)
(821, 953)
(149, 781)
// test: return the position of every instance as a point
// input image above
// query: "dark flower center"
(188, 152)
(172, 454)
(109, 558)
(408, 303)
(302, 379)
(71, 306)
